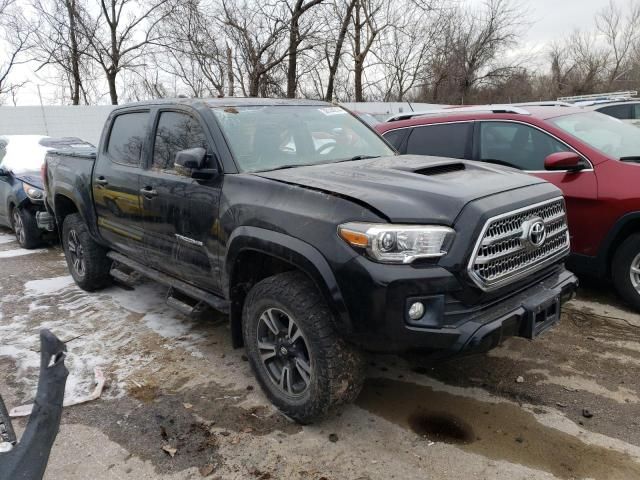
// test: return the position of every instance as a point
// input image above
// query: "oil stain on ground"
(500, 431)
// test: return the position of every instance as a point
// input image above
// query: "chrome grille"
(504, 253)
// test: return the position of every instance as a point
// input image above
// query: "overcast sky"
(549, 20)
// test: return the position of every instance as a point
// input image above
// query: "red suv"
(593, 158)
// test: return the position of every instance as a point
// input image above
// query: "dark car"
(21, 191)
(319, 241)
(593, 158)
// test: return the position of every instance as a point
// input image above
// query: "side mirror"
(3, 172)
(192, 158)
(564, 161)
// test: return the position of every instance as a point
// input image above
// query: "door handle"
(101, 180)
(148, 192)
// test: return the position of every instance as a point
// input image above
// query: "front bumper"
(381, 324)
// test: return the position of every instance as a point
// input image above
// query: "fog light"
(416, 311)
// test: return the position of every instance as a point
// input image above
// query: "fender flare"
(293, 251)
(605, 250)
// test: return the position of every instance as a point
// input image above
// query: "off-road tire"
(621, 270)
(95, 274)
(26, 228)
(337, 368)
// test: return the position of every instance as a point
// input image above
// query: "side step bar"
(183, 304)
(187, 289)
(128, 278)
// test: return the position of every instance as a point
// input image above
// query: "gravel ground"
(175, 382)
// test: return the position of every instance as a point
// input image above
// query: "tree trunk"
(357, 50)
(230, 78)
(76, 81)
(333, 67)
(292, 79)
(254, 84)
(113, 93)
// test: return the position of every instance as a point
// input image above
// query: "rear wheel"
(302, 365)
(25, 228)
(87, 261)
(625, 270)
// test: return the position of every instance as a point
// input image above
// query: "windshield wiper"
(360, 157)
(288, 165)
(632, 158)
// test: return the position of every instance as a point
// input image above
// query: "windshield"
(602, 132)
(271, 137)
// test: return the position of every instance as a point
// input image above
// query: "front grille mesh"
(502, 255)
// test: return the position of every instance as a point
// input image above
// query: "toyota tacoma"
(319, 241)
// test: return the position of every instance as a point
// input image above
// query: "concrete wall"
(84, 122)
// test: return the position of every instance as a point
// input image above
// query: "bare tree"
(58, 42)
(120, 34)
(191, 50)
(296, 36)
(342, 11)
(370, 17)
(404, 49)
(16, 35)
(257, 32)
(622, 33)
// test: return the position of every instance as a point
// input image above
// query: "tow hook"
(28, 458)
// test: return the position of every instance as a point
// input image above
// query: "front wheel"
(302, 365)
(25, 228)
(625, 270)
(86, 259)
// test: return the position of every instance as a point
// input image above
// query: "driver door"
(180, 212)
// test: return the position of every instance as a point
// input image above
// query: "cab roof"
(229, 102)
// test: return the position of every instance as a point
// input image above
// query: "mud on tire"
(87, 261)
(335, 368)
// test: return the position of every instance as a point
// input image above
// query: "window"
(268, 137)
(516, 145)
(623, 112)
(636, 111)
(444, 140)
(611, 136)
(127, 137)
(176, 131)
(396, 137)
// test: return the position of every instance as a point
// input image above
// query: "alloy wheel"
(18, 226)
(284, 352)
(76, 252)
(634, 273)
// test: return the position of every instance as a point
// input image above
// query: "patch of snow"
(47, 286)
(166, 325)
(5, 238)
(23, 153)
(18, 252)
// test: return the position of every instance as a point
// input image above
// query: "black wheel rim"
(18, 227)
(284, 353)
(76, 253)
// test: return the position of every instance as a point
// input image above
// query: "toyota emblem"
(534, 232)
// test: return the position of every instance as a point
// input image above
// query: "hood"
(408, 188)
(32, 178)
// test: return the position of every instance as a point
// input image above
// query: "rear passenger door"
(180, 211)
(115, 182)
(452, 140)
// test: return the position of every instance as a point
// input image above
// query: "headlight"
(388, 243)
(32, 192)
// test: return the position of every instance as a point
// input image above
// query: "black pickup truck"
(314, 235)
